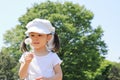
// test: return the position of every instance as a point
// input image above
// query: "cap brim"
(36, 30)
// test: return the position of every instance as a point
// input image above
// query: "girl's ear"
(49, 37)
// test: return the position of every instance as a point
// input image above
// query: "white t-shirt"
(41, 65)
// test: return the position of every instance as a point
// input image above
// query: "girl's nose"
(36, 38)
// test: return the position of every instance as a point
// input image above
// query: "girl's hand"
(28, 58)
(41, 78)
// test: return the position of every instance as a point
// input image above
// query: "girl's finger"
(39, 78)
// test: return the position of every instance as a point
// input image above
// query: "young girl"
(41, 63)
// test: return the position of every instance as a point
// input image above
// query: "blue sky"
(106, 14)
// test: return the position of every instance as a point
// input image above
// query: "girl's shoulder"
(55, 58)
(52, 53)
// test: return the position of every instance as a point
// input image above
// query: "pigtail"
(23, 46)
(56, 43)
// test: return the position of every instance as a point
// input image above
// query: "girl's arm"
(24, 66)
(58, 74)
(23, 70)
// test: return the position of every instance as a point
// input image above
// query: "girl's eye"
(39, 35)
(32, 35)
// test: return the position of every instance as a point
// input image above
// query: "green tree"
(81, 44)
(7, 64)
(103, 72)
(115, 71)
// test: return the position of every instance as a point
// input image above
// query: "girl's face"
(39, 40)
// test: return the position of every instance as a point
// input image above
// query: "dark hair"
(56, 42)
(23, 46)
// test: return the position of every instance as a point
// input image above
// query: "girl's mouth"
(36, 42)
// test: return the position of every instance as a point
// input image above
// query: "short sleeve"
(56, 59)
(22, 58)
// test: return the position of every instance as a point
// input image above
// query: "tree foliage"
(115, 71)
(81, 44)
(103, 72)
(7, 64)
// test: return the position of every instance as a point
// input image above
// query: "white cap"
(40, 26)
